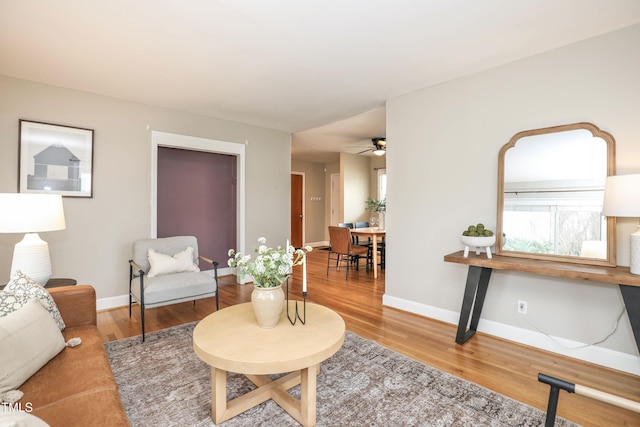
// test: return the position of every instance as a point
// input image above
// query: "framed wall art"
(55, 159)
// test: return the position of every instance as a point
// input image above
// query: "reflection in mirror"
(551, 188)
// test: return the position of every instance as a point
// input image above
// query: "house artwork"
(56, 168)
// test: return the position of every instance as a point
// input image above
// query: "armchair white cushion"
(166, 264)
(153, 282)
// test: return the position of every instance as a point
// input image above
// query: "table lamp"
(30, 214)
(622, 199)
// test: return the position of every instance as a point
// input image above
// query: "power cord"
(615, 328)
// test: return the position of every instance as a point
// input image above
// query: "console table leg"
(631, 297)
(474, 294)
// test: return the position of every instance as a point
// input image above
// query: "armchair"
(173, 279)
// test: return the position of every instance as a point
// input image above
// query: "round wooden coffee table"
(230, 340)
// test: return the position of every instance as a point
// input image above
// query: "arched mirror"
(550, 194)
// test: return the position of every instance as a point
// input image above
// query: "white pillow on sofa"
(20, 289)
(166, 264)
(29, 338)
(20, 419)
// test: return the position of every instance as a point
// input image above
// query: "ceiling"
(319, 69)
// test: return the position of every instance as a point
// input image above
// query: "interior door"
(297, 214)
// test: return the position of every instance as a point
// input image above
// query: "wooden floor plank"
(506, 367)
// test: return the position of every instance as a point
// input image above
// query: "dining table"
(374, 233)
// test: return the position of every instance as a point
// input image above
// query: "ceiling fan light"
(379, 152)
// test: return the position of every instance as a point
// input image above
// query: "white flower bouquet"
(271, 267)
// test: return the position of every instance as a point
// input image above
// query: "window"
(382, 184)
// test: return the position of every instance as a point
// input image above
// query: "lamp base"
(635, 252)
(31, 256)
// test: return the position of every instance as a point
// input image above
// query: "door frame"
(164, 139)
(335, 214)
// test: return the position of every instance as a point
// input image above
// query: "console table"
(480, 268)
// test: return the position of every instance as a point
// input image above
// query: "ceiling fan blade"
(369, 149)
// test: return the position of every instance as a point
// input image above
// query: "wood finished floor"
(503, 366)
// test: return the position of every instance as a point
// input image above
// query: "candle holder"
(296, 314)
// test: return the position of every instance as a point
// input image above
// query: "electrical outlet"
(522, 307)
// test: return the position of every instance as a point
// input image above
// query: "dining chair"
(348, 225)
(342, 249)
(381, 247)
(362, 224)
(354, 239)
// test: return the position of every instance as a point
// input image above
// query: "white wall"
(95, 246)
(442, 176)
(354, 171)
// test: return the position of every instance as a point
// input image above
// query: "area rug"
(163, 383)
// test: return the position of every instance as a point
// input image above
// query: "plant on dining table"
(271, 266)
(375, 205)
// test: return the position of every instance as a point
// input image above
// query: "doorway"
(187, 208)
(297, 209)
(195, 144)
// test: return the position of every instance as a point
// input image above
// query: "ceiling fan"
(379, 147)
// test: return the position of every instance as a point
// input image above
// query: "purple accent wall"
(197, 196)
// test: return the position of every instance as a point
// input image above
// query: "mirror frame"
(610, 261)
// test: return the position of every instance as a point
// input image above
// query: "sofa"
(76, 387)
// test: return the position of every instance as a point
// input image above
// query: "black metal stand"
(296, 314)
(556, 385)
(631, 297)
(474, 294)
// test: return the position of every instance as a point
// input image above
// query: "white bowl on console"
(478, 242)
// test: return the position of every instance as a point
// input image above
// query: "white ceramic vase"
(381, 225)
(268, 304)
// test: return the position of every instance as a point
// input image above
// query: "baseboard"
(597, 355)
(318, 244)
(112, 302)
(123, 300)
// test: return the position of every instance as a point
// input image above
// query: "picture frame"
(55, 159)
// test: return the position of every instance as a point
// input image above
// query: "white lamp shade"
(622, 196)
(30, 214)
(621, 199)
(594, 249)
